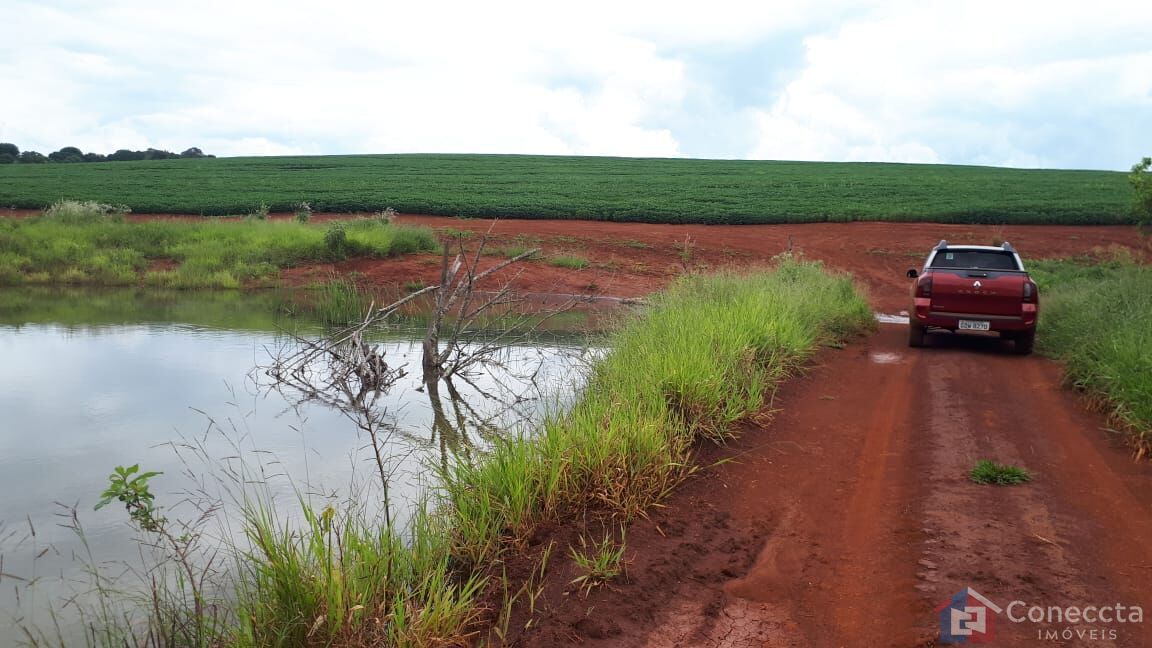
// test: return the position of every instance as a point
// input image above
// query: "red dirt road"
(849, 519)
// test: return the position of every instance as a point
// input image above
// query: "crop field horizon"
(654, 190)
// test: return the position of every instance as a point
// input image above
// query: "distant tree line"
(10, 154)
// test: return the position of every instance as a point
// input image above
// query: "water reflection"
(92, 380)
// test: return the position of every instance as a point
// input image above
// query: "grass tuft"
(568, 261)
(989, 472)
(599, 561)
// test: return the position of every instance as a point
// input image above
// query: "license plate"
(973, 325)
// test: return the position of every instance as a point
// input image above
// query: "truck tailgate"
(978, 292)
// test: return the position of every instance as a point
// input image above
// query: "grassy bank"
(618, 189)
(1096, 320)
(88, 243)
(706, 353)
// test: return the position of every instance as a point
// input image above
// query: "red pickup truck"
(980, 288)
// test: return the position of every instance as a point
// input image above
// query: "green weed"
(568, 261)
(599, 561)
(989, 472)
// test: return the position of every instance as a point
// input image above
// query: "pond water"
(90, 380)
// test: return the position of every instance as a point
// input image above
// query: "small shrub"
(261, 212)
(336, 241)
(303, 212)
(989, 472)
(77, 212)
(1141, 180)
(10, 272)
(386, 216)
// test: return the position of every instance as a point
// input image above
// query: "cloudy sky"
(1004, 82)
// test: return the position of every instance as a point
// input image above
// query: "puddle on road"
(885, 357)
(885, 318)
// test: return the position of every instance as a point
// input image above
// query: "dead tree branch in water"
(344, 371)
(458, 300)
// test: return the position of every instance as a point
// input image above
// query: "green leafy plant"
(990, 472)
(125, 485)
(261, 212)
(599, 560)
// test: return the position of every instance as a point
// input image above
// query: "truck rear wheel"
(915, 335)
(1024, 342)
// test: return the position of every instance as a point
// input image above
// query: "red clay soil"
(634, 259)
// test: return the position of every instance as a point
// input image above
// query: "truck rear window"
(983, 259)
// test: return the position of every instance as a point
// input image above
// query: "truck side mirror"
(912, 274)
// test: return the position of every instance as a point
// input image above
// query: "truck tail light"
(924, 287)
(1030, 292)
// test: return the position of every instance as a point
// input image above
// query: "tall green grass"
(705, 354)
(339, 580)
(1096, 319)
(85, 243)
(615, 189)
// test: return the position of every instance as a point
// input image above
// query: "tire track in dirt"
(853, 549)
(816, 542)
(1071, 537)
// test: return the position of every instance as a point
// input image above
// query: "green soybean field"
(615, 189)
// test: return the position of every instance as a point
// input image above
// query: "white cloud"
(973, 82)
(969, 82)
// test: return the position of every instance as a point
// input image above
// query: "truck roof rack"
(1007, 247)
(942, 244)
